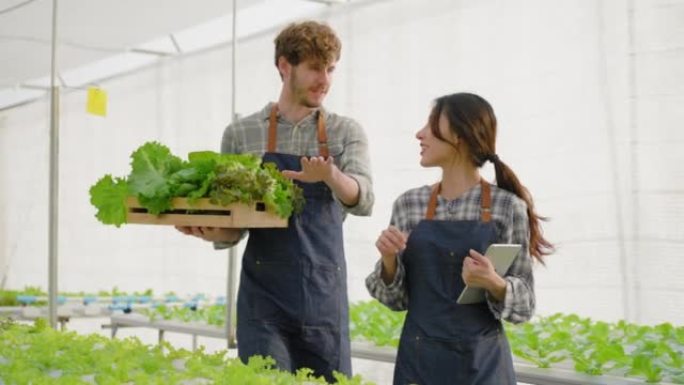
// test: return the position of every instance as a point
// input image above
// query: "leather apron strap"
(321, 132)
(485, 201)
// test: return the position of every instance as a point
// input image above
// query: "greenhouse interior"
(107, 103)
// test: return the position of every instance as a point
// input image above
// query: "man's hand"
(320, 169)
(211, 234)
(314, 169)
(478, 271)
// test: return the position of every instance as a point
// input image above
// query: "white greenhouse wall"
(588, 96)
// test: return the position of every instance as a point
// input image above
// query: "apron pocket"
(492, 361)
(276, 291)
(323, 296)
(443, 362)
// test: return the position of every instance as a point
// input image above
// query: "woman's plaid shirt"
(509, 214)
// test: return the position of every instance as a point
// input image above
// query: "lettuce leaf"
(108, 195)
(152, 165)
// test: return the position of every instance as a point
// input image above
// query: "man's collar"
(266, 112)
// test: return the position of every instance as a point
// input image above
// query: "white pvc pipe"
(232, 252)
(618, 192)
(633, 308)
(54, 178)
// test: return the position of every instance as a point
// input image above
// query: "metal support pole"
(231, 297)
(603, 47)
(54, 178)
(232, 252)
(633, 283)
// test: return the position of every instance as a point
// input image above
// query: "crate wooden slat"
(236, 215)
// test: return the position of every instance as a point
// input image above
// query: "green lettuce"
(157, 176)
(109, 196)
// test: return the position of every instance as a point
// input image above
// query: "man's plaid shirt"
(346, 140)
(509, 214)
(347, 144)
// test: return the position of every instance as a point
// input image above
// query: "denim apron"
(443, 342)
(292, 300)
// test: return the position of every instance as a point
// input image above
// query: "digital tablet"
(502, 256)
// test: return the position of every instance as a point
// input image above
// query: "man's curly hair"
(309, 40)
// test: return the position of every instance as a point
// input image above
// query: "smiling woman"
(434, 247)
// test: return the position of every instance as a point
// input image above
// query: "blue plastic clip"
(26, 299)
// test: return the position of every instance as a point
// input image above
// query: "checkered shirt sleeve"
(509, 214)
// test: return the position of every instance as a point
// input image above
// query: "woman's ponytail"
(472, 120)
(507, 180)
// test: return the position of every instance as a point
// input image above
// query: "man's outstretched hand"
(314, 169)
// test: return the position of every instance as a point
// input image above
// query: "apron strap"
(272, 126)
(321, 132)
(432, 204)
(485, 201)
(322, 136)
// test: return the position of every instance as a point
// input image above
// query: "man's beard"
(306, 103)
(301, 94)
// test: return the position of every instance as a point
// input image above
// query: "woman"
(433, 248)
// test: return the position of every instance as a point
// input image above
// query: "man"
(292, 300)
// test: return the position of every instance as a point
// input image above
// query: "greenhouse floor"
(378, 372)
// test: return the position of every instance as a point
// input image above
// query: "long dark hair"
(472, 119)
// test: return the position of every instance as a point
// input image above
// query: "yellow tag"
(97, 101)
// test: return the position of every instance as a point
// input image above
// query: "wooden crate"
(236, 215)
